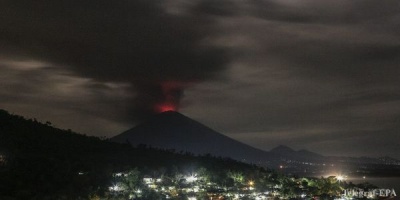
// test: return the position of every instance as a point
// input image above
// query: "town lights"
(191, 178)
(251, 184)
(115, 188)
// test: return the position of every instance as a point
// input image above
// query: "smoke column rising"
(131, 42)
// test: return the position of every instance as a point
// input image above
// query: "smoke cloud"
(321, 75)
(157, 53)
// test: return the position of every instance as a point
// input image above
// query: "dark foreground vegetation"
(44, 162)
(38, 161)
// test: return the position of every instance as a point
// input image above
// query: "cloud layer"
(321, 75)
(133, 42)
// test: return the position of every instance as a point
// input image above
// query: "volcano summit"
(172, 130)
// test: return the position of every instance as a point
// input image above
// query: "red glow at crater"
(171, 95)
(165, 107)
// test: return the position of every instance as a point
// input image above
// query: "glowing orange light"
(165, 107)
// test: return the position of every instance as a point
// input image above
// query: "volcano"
(172, 130)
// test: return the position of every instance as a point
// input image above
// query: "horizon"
(311, 75)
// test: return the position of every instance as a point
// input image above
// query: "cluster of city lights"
(193, 185)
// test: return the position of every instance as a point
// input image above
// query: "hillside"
(39, 161)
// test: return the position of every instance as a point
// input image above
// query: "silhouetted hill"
(172, 130)
(282, 150)
(287, 153)
(39, 161)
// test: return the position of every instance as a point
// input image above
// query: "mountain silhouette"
(172, 130)
(286, 152)
(282, 150)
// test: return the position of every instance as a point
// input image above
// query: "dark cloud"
(222, 8)
(312, 74)
(134, 42)
(35, 90)
(327, 12)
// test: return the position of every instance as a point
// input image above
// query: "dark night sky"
(320, 75)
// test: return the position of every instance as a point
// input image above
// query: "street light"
(251, 184)
(191, 178)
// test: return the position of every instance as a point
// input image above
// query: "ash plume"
(136, 42)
